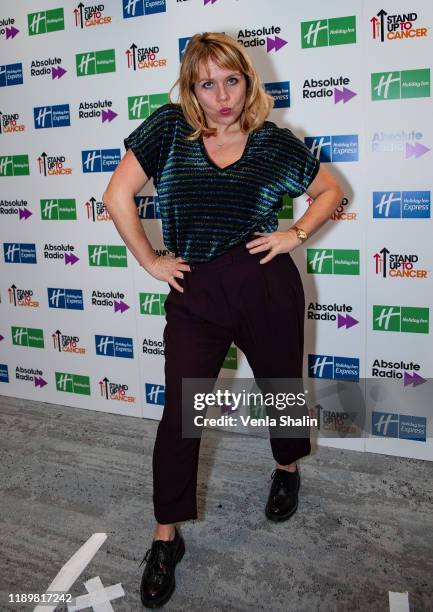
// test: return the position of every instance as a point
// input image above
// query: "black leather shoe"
(283, 496)
(158, 581)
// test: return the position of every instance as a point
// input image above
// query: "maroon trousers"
(233, 298)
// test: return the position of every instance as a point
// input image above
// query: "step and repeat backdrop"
(82, 324)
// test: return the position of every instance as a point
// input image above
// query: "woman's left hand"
(275, 242)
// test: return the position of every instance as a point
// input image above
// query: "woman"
(220, 170)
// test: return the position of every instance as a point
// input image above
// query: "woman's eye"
(233, 80)
(207, 83)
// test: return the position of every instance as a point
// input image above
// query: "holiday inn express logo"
(140, 107)
(333, 261)
(400, 85)
(95, 62)
(72, 383)
(107, 255)
(328, 32)
(43, 22)
(14, 165)
(27, 336)
(410, 319)
(152, 303)
(59, 209)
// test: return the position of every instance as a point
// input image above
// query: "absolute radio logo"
(95, 62)
(52, 165)
(63, 209)
(341, 148)
(400, 85)
(100, 160)
(148, 207)
(398, 26)
(141, 58)
(19, 252)
(15, 207)
(7, 28)
(336, 313)
(10, 123)
(328, 32)
(97, 109)
(408, 319)
(280, 92)
(96, 210)
(140, 8)
(31, 375)
(44, 22)
(51, 66)
(150, 346)
(115, 391)
(112, 299)
(66, 343)
(140, 107)
(27, 336)
(399, 142)
(152, 303)
(330, 87)
(155, 394)
(107, 255)
(402, 426)
(60, 251)
(398, 265)
(52, 116)
(86, 16)
(401, 204)
(114, 346)
(332, 367)
(405, 371)
(22, 297)
(11, 74)
(333, 261)
(65, 298)
(72, 383)
(260, 37)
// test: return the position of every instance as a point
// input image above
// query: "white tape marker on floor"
(70, 571)
(398, 602)
(99, 597)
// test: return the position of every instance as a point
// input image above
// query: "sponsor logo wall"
(81, 324)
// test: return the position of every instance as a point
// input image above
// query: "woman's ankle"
(164, 532)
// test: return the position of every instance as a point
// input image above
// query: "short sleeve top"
(205, 209)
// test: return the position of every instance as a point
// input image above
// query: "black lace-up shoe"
(158, 581)
(283, 496)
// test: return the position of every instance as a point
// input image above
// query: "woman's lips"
(225, 111)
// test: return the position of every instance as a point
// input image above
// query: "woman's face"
(221, 94)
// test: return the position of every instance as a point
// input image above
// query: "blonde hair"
(226, 52)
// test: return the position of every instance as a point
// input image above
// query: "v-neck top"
(205, 209)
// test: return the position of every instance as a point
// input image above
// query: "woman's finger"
(178, 274)
(175, 284)
(262, 247)
(268, 257)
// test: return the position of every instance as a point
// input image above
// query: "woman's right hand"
(168, 268)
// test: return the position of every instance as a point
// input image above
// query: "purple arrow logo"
(40, 382)
(24, 213)
(71, 258)
(108, 115)
(346, 321)
(343, 94)
(275, 43)
(120, 305)
(209, 1)
(413, 379)
(11, 32)
(57, 72)
(416, 149)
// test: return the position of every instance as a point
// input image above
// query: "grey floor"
(364, 524)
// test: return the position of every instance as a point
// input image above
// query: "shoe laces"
(278, 480)
(157, 557)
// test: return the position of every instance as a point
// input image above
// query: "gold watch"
(301, 234)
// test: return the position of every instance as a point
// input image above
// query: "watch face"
(302, 235)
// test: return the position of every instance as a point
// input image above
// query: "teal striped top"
(205, 210)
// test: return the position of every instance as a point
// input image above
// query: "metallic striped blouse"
(205, 209)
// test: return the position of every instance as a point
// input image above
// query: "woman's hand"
(275, 242)
(168, 268)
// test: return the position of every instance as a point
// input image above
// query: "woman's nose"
(222, 93)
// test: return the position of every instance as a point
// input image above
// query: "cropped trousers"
(232, 298)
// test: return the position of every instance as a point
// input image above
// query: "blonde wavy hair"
(226, 52)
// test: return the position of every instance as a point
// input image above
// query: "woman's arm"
(127, 180)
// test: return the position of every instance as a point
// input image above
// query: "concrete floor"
(363, 528)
